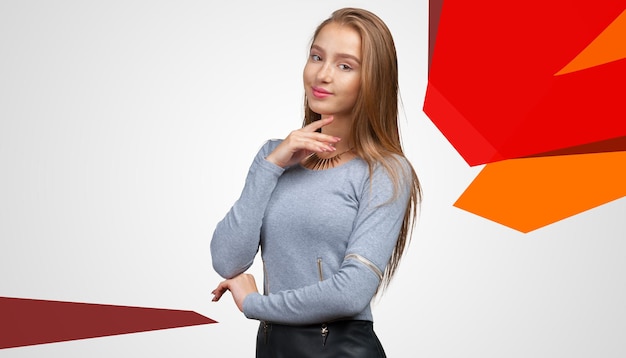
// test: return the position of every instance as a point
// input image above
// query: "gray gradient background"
(126, 131)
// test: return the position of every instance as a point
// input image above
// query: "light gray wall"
(126, 131)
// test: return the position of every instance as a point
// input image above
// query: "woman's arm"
(236, 237)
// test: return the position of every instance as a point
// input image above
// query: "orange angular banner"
(529, 193)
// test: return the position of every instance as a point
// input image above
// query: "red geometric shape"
(492, 89)
(605, 146)
(434, 13)
(26, 322)
(608, 46)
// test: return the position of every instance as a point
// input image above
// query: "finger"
(219, 290)
(320, 137)
(216, 295)
(319, 124)
(315, 144)
(315, 141)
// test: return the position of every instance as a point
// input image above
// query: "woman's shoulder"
(268, 146)
(395, 163)
(386, 167)
(393, 170)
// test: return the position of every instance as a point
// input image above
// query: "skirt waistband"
(344, 338)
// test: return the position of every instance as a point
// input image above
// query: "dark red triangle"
(434, 13)
(26, 322)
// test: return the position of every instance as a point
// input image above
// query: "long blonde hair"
(375, 132)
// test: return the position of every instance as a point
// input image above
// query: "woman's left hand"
(239, 286)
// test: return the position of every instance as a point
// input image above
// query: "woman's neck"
(340, 127)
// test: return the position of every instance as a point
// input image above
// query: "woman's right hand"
(302, 142)
(239, 286)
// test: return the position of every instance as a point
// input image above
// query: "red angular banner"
(29, 321)
(531, 89)
(510, 80)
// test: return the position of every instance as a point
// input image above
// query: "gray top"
(325, 238)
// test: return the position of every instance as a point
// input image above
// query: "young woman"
(331, 206)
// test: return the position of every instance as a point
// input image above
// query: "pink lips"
(319, 92)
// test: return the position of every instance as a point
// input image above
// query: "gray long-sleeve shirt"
(325, 237)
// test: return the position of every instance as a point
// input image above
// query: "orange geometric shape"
(609, 46)
(529, 193)
(26, 322)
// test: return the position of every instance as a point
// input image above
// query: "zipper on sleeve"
(367, 263)
(324, 327)
(266, 281)
(319, 269)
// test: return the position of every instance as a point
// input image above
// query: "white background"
(126, 131)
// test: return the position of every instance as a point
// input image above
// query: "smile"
(319, 92)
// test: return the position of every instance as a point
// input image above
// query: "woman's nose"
(325, 73)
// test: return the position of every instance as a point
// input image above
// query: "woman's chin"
(322, 112)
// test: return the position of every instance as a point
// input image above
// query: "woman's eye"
(316, 58)
(345, 67)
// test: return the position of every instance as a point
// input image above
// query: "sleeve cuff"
(249, 303)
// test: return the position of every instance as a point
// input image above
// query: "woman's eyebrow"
(316, 47)
(340, 55)
(349, 56)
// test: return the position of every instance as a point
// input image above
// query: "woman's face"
(332, 74)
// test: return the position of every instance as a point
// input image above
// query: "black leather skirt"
(340, 339)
